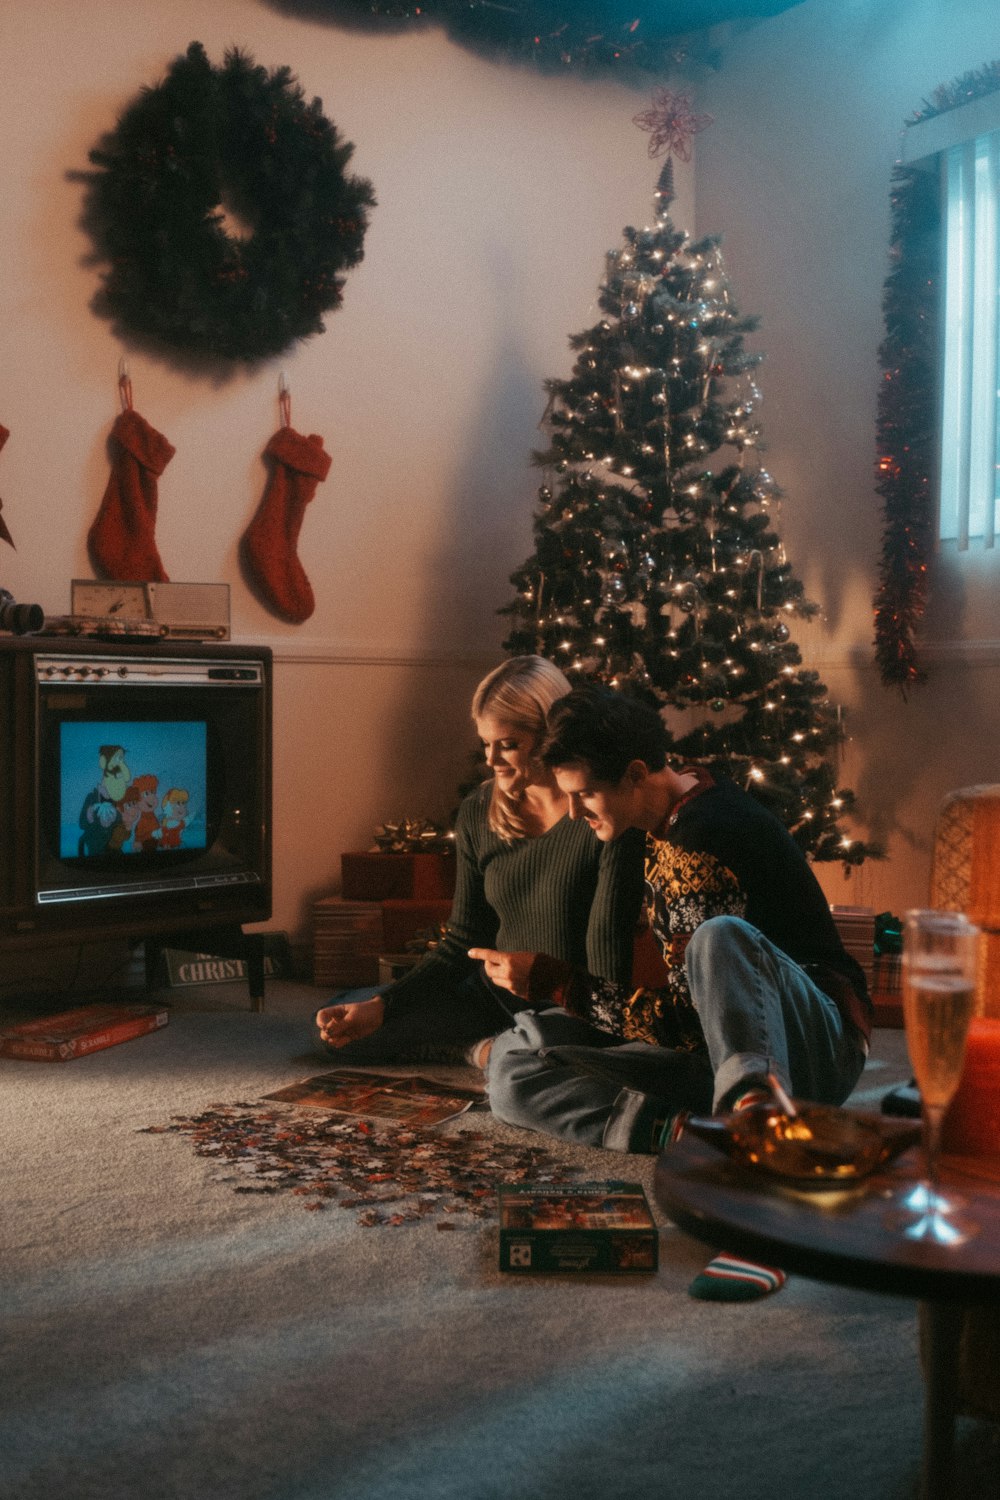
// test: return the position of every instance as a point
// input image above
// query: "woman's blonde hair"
(520, 693)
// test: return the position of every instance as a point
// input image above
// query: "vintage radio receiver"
(177, 611)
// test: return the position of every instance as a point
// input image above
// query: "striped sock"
(751, 1097)
(726, 1278)
(667, 1129)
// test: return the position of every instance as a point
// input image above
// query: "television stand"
(227, 941)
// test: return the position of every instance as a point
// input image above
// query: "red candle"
(972, 1124)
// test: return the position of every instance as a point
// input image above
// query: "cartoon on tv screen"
(131, 788)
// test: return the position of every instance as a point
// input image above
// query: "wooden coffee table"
(843, 1237)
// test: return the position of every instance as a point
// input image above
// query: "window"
(970, 476)
(936, 433)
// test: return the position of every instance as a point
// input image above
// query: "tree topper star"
(672, 124)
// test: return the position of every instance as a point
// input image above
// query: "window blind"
(970, 408)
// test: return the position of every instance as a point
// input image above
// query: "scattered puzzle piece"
(349, 1163)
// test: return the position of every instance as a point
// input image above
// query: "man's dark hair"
(605, 731)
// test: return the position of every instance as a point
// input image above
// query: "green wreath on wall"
(204, 145)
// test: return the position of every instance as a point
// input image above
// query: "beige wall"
(795, 172)
(499, 192)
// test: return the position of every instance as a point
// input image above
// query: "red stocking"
(121, 540)
(4, 533)
(268, 548)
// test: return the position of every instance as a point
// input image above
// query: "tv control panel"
(147, 672)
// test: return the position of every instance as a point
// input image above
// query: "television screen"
(135, 787)
(148, 783)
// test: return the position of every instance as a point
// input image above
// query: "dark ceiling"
(691, 15)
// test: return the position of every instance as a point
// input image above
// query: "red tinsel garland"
(906, 433)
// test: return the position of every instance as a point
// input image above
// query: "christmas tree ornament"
(223, 210)
(268, 549)
(672, 124)
(122, 538)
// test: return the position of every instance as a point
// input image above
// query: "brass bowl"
(817, 1146)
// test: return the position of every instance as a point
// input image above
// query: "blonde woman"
(531, 885)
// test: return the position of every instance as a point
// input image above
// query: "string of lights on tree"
(657, 567)
(908, 423)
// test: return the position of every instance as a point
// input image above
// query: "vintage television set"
(135, 789)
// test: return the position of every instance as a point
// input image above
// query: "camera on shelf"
(19, 619)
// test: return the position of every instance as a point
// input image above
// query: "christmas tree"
(657, 567)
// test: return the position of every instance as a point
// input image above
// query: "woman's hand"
(509, 970)
(340, 1024)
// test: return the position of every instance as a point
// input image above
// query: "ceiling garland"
(556, 36)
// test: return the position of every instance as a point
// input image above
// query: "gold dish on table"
(815, 1145)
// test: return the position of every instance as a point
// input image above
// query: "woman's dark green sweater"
(563, 893)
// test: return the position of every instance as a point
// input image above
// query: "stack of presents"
(390, 907)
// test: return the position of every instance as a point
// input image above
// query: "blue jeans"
(759, 1011)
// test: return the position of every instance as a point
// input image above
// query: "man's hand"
(340, 1024)
(509, 970)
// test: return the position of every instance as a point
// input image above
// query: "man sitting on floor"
(759, 981)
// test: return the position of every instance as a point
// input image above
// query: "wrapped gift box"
(349, 937)
(856, 926)
(380, 876)
(403, 920)
(347, 940)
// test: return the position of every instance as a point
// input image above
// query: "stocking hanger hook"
(284, 400)
(124, 384)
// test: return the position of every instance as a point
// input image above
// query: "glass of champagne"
(939, 981)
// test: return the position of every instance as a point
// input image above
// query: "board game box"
(74, 1033)
(587, 1226)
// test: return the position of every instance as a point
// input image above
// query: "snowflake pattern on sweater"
(722, 854)
(683, 888)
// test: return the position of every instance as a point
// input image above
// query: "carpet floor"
(165, 1334)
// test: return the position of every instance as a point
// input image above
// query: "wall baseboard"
(981, 653)
(973, 653)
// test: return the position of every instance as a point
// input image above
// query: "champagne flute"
(939, 980)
